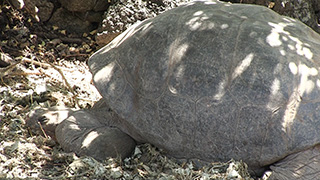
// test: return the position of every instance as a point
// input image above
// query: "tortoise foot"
(44, 121)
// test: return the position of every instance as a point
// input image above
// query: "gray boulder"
(84, 5)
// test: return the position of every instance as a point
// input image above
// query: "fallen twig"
(73, 40)
(65, 81)
(31, 61)
(5, 71)
(42, 130)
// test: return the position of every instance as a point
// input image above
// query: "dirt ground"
(41, 66)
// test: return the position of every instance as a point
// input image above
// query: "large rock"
(304, 10)
(307, 11)
(66, 20)
(122, 15)
(84, 5)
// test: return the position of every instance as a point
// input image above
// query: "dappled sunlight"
(301, 48)
(90, 137)
(177, 51)
(305, 86)
(274, 95)
(196, 23)
(210, 2)
(105, 75)
(279, 35)
(291, 111)
(221, 91)
(74, 127)
(239, 69)
(293, 68)
(245, 63)
(283, 36)
(224, 26)
(273, 39)
(275, 87)
(179, 75)
(172, 89)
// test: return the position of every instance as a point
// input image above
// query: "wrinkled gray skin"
(208, 81)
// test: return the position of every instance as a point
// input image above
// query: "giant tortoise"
(206, 81)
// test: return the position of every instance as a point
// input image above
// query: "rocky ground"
(44, 66)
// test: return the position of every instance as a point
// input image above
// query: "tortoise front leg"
(84, 134)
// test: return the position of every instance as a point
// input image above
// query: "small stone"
(115, 174)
